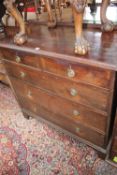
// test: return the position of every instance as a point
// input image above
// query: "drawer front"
(21, 57)
(76, 112)
(92, 96)
(75, 128)
(60, 107)
(77, 72)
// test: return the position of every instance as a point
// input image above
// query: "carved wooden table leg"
(52, 19)
(21, 37)
(81, 45)
(107, 25)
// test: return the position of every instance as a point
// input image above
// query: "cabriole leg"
(21, 37)
(107, 25)
(81, 45)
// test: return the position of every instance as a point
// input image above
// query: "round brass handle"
(22, 74)
(18, 59)
(73, 92)
(76, 112)
(77, 129)
(70, 73)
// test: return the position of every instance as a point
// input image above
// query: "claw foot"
(81, 46)
(107, 26)
(20, 38)
(52, 24)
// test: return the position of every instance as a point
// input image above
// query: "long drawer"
(37, 100)
(76, 128)
(97, 98)
(71, 70)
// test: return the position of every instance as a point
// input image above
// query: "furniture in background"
(23, 6)
(81, 44)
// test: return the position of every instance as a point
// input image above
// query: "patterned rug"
(13, 153)
(32, 147)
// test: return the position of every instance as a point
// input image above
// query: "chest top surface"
(59, 43)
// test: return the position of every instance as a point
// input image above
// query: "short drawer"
(79, 72)
(82, 93)
(21, 57)
(77, 113)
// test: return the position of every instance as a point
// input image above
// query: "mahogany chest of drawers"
(76, 94)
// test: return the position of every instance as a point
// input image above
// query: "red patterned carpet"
(31, 147)
(13, 153)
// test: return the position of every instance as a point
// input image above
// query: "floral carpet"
(30, 147)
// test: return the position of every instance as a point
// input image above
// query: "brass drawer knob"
(73, 92)
(77, 129)
(22, 74)
(76, 112)
(70, 73)
(18, 59)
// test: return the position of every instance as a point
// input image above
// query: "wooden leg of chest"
(4, 79)
(26, 115)
(107, 25)
(21, 37)
(81, 45)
